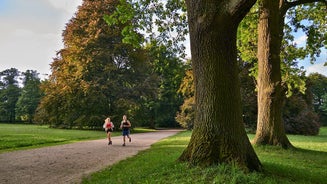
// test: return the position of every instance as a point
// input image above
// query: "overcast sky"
(30, 34)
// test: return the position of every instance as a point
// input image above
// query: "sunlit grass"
(306, 164)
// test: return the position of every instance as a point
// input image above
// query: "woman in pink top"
(108, 127)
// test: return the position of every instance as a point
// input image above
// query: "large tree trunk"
(270, 128)
(218, 135)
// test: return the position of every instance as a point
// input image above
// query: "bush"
(306, 123)
(299, 118)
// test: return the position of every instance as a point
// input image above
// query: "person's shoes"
(110, 143)
(124, 144)
(130, 139)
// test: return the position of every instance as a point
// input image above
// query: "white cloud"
(31, 31)
(66, 5)
(319, 68)
(29, 50)
(301, 41)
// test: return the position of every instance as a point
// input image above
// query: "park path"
(69, 163)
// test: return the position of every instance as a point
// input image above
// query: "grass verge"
(306, 164)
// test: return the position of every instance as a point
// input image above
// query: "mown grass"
(20, 136)
(305, 164)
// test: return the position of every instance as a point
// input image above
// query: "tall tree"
(318, 88)
(218, 135)
(30, 96)
(185, 116)
(170, 70)
(159, 107)
(270, 128)
(95, 74)
(160, 26)
(9, 94)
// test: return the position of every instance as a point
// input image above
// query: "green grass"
(306, 164)
(19, 136)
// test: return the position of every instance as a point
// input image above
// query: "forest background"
(98, 74)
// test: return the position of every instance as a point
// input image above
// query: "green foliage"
(298, 114)
(9, 94)
(317, 85)
(162, 22)
(247, 41)
(185, 117)
(30, 96)
(323, 107)
(310, 18)
(96, 74)
(299, 117)
(124, 15)
(159, 165)
(99, 73)
(169, 71)
(9, 77)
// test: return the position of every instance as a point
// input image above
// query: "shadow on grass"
(298, 166)
(311, 152)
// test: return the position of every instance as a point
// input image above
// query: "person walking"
(108, 127)
(125, 126)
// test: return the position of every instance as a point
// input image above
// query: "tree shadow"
(298, 166)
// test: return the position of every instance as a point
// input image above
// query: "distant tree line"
(19, 95)
(302, 113)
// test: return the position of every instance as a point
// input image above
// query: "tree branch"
(241, 8)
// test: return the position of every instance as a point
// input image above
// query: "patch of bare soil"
(71, 162)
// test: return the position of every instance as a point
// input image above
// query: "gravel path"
(71, 162)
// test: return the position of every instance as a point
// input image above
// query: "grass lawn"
(19, 136)
(306, 164)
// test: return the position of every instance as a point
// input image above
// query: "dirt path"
(69, 163)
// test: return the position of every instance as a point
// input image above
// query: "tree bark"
(218, 135)
(270, 128)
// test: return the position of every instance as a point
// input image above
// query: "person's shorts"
(109, 130)
(125, 132)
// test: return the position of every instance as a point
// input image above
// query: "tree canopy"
(19, 95)
(9, 93)
(86, 83)
(98, 74)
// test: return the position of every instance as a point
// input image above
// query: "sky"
(30, 34)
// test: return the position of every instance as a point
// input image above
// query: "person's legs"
(124, 137)
(129, 137)
(124, 140)
(109, 137)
